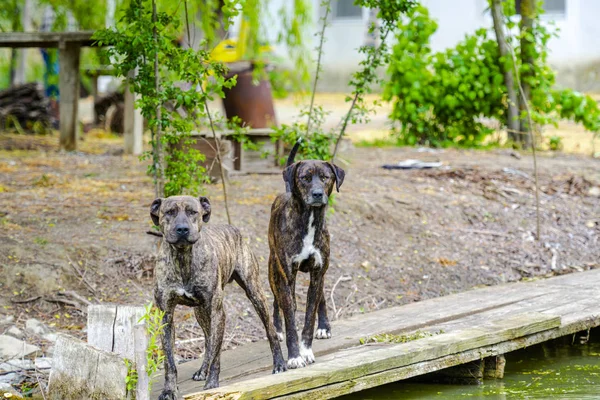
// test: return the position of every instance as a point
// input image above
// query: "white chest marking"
(308, 245)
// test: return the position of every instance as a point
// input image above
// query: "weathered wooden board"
(355, 366)
(44, 39)
(573, 297)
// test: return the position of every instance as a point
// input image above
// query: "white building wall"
(575, 54)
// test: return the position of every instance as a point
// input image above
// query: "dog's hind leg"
(254, 292)
(323, 326)
(277, 321)
(204, 322)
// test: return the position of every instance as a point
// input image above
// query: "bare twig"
(42, 391)
(81, 276)
(76, 297)
(327, 4)
(482, 232)
(356, 95)
(342, 278)
(214, 134)
(159, 156)
(525, 103)
(29, 300)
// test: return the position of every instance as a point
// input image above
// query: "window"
(555, 7)
(346, 9)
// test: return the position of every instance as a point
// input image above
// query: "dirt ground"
(73, 230)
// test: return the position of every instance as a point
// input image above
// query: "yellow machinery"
(233, 50)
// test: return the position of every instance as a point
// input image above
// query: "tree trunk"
(528, 11)
(512, 120)
(159, 157)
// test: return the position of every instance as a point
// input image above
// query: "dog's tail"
(292, 155)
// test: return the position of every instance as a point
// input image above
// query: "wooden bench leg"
(68, 59)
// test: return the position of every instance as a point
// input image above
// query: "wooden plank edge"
(410, 371)
(382, 359)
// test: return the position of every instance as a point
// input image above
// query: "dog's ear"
(339, 175)
(288, 177)
(205, 204)
(154, 210)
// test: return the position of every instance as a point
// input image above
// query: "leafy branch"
(389, 13)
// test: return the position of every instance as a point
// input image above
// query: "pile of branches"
(23, 107)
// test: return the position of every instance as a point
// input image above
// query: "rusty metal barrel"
(253, 104)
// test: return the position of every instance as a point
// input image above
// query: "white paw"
(297, 362)
(307, 354)
(280, 336)
(323, 334)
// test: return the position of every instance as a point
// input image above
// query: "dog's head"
(313, 180)
(180, 218)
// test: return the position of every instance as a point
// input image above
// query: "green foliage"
(315, 144)
(555, 143)
(153, 318)
(182, 106)
(438, 97)
(390, 12)
(296, 19)
(131, 379)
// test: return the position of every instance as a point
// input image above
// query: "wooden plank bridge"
(475, 325)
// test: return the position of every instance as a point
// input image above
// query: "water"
(555, 370)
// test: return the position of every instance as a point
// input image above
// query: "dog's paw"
(167, 395)
(307, 354)
(279, 368)
(280, 336)
(199, 375)
(297, 362)
(211, 385)
(323, 334)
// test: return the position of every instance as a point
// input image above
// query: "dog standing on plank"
(299, 241)
(195, 263)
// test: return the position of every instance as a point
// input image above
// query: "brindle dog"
(299, 241)
(195, 263)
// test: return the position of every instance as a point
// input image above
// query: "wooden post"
(68, 58)
(238, 155)
(140, 339)
(134, 123)
(110, 327)
(81, 371)
(494, 367)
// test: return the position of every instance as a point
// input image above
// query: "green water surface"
(556, 370)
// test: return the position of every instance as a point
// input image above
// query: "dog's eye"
(171, 212)
(307, 178)
(193, 212)
(323, 178)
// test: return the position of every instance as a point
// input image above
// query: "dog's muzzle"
(181, 236)
(317, 198)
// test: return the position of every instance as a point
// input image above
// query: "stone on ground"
(11, 348)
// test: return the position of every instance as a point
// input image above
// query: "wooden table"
(69, 44)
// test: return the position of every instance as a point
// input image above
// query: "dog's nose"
(182, 230)
(317, 194)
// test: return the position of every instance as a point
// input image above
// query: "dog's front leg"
(323, 327)
(168, 339)
(203, 318)
(215, 340)
(315, 290)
